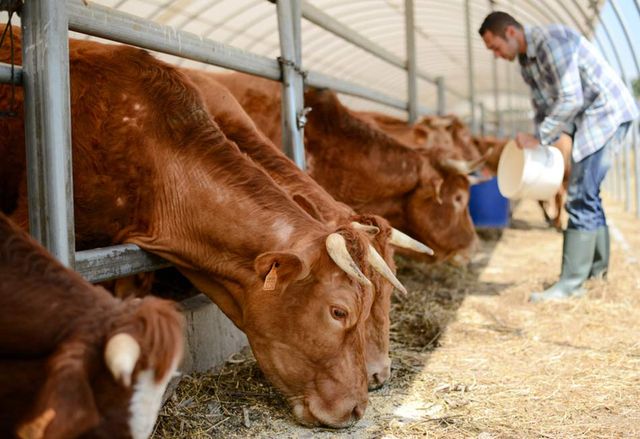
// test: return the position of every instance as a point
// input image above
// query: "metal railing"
(47, 107)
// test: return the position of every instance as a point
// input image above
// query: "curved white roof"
(441, 40)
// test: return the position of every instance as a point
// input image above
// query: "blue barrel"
(488, 208)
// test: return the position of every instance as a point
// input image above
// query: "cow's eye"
(338, 313)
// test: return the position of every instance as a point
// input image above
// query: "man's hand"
(526, 140)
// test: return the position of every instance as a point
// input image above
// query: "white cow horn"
(121, 355)
(337, 249)
(403, 240)
(371, 230)
(381, 267)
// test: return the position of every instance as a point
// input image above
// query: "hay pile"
(471, 357)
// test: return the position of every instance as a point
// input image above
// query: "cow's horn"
(403, 240)
(477, 180)
(371, 230)
(381, 267)
(466, 167)
(121, 355)
(337, 249)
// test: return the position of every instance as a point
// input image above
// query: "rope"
(11, 112)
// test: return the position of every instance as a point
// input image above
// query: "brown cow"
(441, 139)
(239, 127)
(75, 361)
(367, 169)
(152, 168)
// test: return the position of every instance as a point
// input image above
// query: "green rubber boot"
(577, 258)
(600, 265)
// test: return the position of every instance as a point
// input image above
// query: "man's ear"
(65, 406)
(509, 31)
(278, 269)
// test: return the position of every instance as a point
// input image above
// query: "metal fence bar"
(47, 127)
(291, 135)
(118, 26)
(5, 74)
(472, 93)
(323, 81)
(100, 264)
(442, 103)
(412, 84)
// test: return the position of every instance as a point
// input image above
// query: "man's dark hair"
(497, 22)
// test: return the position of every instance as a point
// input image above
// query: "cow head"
(437, 214)
(378, 231)
(109, 384)
(306, 325)
(377, 325)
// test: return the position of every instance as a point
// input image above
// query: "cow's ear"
(278, 269)
(65, 406)
(307, 206)
(421, 134)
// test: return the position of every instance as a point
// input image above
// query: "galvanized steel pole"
(627, 198)
(10, 74)
(442, 103)
(496, 100)
(291, 135)
(510, 102)
(635, 142)
(47, 126)
(472, 92)
(627, 176)
(412, 83)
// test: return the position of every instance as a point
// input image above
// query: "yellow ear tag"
(271, 280)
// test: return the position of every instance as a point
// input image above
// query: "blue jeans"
(584, 204)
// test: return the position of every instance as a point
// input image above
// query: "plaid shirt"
(573, 89)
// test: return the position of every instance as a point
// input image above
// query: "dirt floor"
(471, 357)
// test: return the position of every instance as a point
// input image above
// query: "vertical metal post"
(627, 176)
(619, 187)
(442, 104)
(47, 126)
(635, 142)
(412, 84)
(510, 102)
(472, 92)
(483, 119)
(291, 133)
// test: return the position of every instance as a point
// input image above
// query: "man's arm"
(560, 61)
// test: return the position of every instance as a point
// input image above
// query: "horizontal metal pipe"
(5, 74)
(114, 25)
(100, 264)
(323, 81)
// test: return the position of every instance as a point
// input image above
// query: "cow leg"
(547, 217)
(557, 221)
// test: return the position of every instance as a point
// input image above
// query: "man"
(574, 91)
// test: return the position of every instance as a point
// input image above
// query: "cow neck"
(292, 178)
(226, 211)
(241, 129)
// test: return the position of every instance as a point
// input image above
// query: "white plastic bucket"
(534, 174)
